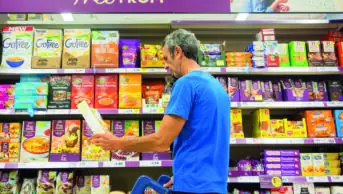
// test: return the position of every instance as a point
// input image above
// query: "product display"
(105, 49)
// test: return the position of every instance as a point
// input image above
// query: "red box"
(106, 91)
(333, 36)
(266, 35)
(339, 49)
(82, 90)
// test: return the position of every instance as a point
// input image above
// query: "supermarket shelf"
(162, 71)
(87, 164)
(288, 105)
(290, 179)
(285, 141)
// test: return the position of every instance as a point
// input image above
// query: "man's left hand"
(106, 140)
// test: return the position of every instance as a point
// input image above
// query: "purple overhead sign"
(115, 6)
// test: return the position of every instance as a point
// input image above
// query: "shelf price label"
(320, 179)
(152, 163)
(337, 179)
(324, 141)
(117, 164)
(74, 71)
(233, 141)
(115, 70)
(269, 182)
(129, 111)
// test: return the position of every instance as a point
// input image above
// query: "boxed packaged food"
(65, 141)
(295, 129)
(82, 185)
(223, 81)
(271, 53)
(46, 181)
(322, 190)
(64, 183)
(149, 127)
(127, 128)
(277, 128)
(277, 92)
(44, 78)
(331, 156)
(281, 159)
(257, 168)
(318, 164)
(238, 59)
(130, 91)
(90, 151)
(282, 190)
(332, 163)
(151, 56)
(106, 91)
(47, 49)
(339, 48)
(320, 123)
(9, 182)
(17, 47)
(211, 55)
(28, 186)
(152, 96)
(306, 162)
(129, 53)
(336, 189)
(244, 90)
(339, 122)
(7, 90)
(284, 55)
(93, 118)
(314, 54)
(261, 123)
(281, 153)
(294, 90)
(317, 91)
(300, 188)
(236, 121)
(333, 36)
(76, 50)
(100, 184)
(255, 46)
(256, 91)
(233, 89)
(31, 102)
(267, 91)
(17, 17)
(35, 141)
(332, 171)
(82, 90)
(329, 53)
(105, 49)
(283, 172)
(31, 89)
(335, 90)
(6, 102)
(298, 55)
(283, 166)
(59, 92)
(267, 34)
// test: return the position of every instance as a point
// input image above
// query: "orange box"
(320, 123)
(106, 91)
(105, 49)
(130, 91)
(82, 90)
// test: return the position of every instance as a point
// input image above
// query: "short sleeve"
(181, 100)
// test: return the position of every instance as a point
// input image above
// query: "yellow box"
(331, 156)
(295, 129)
(332, 163)
(306, 163)
(261, 123)
(333, 171)
(318, 164)
(236, 129)
(277, 128)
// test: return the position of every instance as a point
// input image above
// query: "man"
(197, 120)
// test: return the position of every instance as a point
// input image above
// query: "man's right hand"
(169, 184)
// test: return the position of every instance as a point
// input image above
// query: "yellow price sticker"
(276, 182)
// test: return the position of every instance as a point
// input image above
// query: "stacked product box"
(236, 121)
(320, 123)
(284, 55)
(329, 53)
(298, 55)
(233, 89)
(282, 162)
(314, 53)
(295, 129)
(320, 164)
(267, 34)
(338, 114)
(257, 49)
(317, 91)
(7, 96)
(10, 142)
(31, 95)
(250, 91)
(238, 59)
(246, 168)
(211, 55)
(294, 90)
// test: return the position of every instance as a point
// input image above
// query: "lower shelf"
(290, 179)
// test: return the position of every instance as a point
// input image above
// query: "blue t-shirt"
(201, 150)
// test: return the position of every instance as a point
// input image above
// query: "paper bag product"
(105, 49)
(329, 53)
(339, 122)
(35, 141)
(298, 54)
(47, 49)
(82, 90)
(65, 141)
(100, 184)
(152, 95)
(283, 55)
(17, 47)
(129, 53)
(130, 91)
(151, 56)
(256, 91)
(59, 92)
(233, 89)
(295, 129)
(244, 90)
(9, 182)
(106, 91)
(64, 183)
(236, 121)
(90, 151)
(271, 54)
(306, 162)
(261, 123)
(277, 92)
(320, 123)
(76, 49)
(46, 182)
(82, 185)
(335, 90)
(127, 128)
(300, 188)
(314, 54)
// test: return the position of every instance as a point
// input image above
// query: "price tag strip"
(150, 163)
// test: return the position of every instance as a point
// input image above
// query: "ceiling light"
(67, 17)
(242, 16)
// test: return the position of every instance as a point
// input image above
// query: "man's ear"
(178, 51)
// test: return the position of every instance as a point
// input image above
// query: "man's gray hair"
(184, 39)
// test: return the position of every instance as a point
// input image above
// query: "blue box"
(339, 122)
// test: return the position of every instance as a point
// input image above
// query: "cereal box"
(105, 49)
(59, 92)
(317, 91)
(320, 123)
(236, 121)
(339, 122)
(17, 47)
(130, 91)
(294, 90)
(47, 49)
(106, 91)
(76, 48)
(261, 123)
(306, 163)
(100, 184)
(82, 185)
(318, 164)
(295, 129)
(151, 56)
(271, 54)
(35, 141)
(82, 90)
(233, 89)
(64, 183)
(127, 128)
(90, 151)
(277, 128)
(65, 141)
(152, 96)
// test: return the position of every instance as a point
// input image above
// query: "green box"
(298, 54)
(211, 58)
(284, 55)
